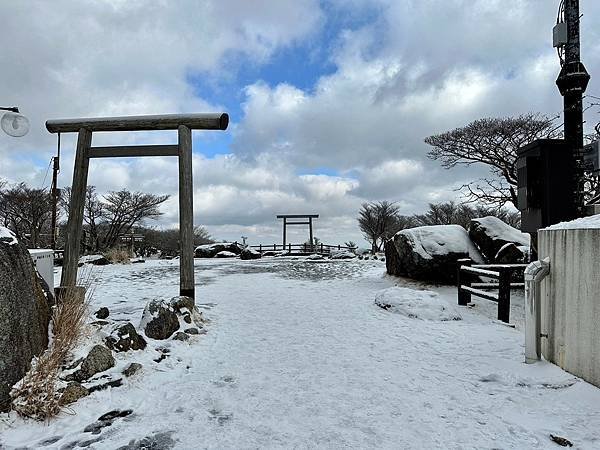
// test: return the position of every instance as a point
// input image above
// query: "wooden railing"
(466, 277)
(323, 249)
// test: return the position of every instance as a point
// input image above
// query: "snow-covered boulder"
(96, 260)
(490, 234)
(159, 320)
(226, 254)
(124, 338)
(250, 253)
(24, 314)
(425, 305)
(342, 254)
(315, 257)
(210, 250)
(430, 253)
(512, 254)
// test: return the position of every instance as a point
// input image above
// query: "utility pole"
(572, 83)
(54, 193)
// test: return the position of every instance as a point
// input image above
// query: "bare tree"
(376, 220)
(450, 213)
(27, 212)
(492, 142)
(124, 209)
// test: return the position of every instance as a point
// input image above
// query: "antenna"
(14, 123)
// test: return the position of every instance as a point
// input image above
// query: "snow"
(441, 240)
(225, 254)
(342, 254)
(90, 258)
(7, 236)
(416, 304)
(497, 228)
(577, 224)
(297, 355)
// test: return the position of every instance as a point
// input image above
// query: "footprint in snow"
(226, 380)
(219, 416)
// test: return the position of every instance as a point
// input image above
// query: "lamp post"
(13, 122)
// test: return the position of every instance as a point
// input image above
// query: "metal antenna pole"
(572, 83)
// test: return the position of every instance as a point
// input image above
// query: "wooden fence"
(468, 283)
(299, 249)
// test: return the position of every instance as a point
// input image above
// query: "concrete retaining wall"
(570, 301)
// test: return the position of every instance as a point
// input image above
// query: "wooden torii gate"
(184, 124)
(309, 222)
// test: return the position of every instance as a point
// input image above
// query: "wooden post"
(504, 295)
(186, 213)
(284, 230)
(75, 222)
(260, 248)
(321, 247)
(464, 297)
(310, 230)
(290, 248)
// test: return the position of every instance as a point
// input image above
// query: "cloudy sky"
(329, 100)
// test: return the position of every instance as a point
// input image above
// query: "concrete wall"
(570, 301)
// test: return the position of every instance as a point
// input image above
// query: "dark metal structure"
(184, 124)
(295, 217)
(546, 191)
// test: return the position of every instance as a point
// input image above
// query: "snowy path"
(292, 362)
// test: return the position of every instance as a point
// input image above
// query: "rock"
(226, 254)
(563, 442)
(191, 330)
(112, 383)
(159, 320)
(315, 257)
(124, 338)
(181, 336)
(137, 261)
(210, 250)
(342, 254)
(511, 254)
(490, 234)
(102, 313)
(182, 303)
(392, 259)
(250, 253)
(98, 360)
(24, 314)
(132, 369)
(430, 253)
(162, 441)
(73, 392)
(96, 260)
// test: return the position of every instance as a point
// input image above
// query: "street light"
(14, 123)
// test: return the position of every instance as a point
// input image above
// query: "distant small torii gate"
(184, 124)
(310, 218)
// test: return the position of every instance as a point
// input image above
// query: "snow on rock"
(226, 254)
(430, 253)
(210, 250)
(490, 234)
(250, 253)
(159, 320)
(577, 224)
(7, 236)
(96, 260)
(342, 254)
(416, 304)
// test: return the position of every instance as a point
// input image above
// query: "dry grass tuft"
(117, 256)
(36, 396)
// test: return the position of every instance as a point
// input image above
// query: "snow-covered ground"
(297, 355)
